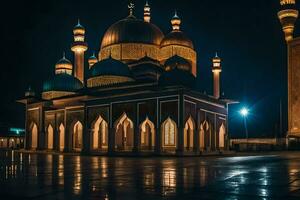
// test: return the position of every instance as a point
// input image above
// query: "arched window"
(222, 132)
(77, 136)
(124, 133)
(61, 137)
(50, 137)
(169, 133)
(189, 129)
(100, 134)
(147, 131)
(34, 136)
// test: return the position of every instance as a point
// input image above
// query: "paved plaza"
(47, 176)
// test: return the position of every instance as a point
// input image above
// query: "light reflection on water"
(110, 178)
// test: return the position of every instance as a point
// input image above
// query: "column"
(111, 141)
(180, 135)
(86, 134)
(136, 139)
(158, 143)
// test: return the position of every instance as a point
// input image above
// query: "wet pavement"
(47, 176)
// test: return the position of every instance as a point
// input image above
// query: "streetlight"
(244, 112)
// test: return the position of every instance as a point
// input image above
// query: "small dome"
(108, 72)
(62, 82)
(110, 66)
(146, 68)
(132, 30)
(63, 66)
(177, 62)
(177, 77)
(177, 38)
(92, 60)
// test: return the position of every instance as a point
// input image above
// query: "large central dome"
(130, 39)
(132, 30)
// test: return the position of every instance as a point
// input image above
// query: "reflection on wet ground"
(47, 176)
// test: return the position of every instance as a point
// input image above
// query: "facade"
(288, 16)
(137, 96)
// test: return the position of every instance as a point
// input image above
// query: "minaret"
(147, 13)
(216, 69)
(288, 16)
(92, 60)
(176, 21)
(79, 47)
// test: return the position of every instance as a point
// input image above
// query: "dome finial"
(64, 55)
(131, 7)
(176, 21)
(78, 22)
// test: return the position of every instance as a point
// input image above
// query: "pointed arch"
(61, 137)
(124, 133)
(147, 132)
(34, 136)
(169, 136)
(189, 130)
(77, 136)
(50, 137)
(100, 134)
(222, 132)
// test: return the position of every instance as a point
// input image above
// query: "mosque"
(136, 96)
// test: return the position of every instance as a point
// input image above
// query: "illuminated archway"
(222, 132)
(169, 136)
(189, 129)
(147, 131)
(34, 136)
(100, 134)
(207, 135)
(124, 133)
(77, 136)
(50, 137)
(61, 137)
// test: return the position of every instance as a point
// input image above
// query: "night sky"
(246, 34)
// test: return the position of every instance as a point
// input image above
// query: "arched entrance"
(147, 131)
(100, 134)
(169, 135)
(34, 136)
(61, 137)
(189, 130)
(124, 133)
(50, 137)
(77, 136)
(222, 132)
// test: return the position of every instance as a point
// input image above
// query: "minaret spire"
(79, 47)
(147, 13)
(216, 70)
(176, 21)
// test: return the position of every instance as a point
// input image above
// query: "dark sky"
(246, 34)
